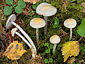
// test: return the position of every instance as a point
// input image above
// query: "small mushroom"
(55, 39)
(14, 31)
(37, 23)
(11, 21)
(70, 23)
(46, 10)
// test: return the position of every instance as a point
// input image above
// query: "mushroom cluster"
(46, 10)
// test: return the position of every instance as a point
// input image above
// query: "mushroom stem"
(32, 49)
(45, 28)
(23, 39)
(70, 33)
(24, 33)
(54, 47)
(37, 35)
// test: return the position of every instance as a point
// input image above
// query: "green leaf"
(73, 0)
(10, 2)
(18, 9)
(14, 4)
(44, 53)
(30, 14)
(45, 44)
(51, 60)
(51, 46)
(80, 45)
(21, 3)
(7, 10)
(33, 12)
(81, 28)
(11, 7)
(83, 48)
(34, 6)
(47, 51)
(46, 60)
(56, 22)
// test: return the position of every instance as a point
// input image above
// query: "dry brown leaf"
(32, 1)
(83, 4)
(71, 60)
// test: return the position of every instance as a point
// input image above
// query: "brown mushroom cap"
(37, 23)
(55, 39)
(11, 18)
(70, 23)
(45, 9)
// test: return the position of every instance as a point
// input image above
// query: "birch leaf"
(14, 51)
(70, 48)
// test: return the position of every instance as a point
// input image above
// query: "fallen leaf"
(32, 1)
(70, 48)
(14, 51)
(71, 60)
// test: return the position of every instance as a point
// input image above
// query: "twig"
(80, 39)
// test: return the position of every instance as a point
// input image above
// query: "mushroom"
(46, 10)
(37, 23)
(11, 21)
(70, 23)
(55, 39)
(14, 31)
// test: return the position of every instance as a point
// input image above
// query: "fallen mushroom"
(55, 39)
(14, 31)
(37, 23)
(46, 10)
(70, 23)
(11, 21)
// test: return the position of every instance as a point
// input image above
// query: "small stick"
(80, 39)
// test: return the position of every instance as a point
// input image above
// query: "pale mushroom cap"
(70, 23)
(13, 31)
(45, 9)
(55, 39)
(10, 19)
(37, 23)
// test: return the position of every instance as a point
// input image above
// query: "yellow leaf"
(32, 1)
(70, 48)
(14, 51)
